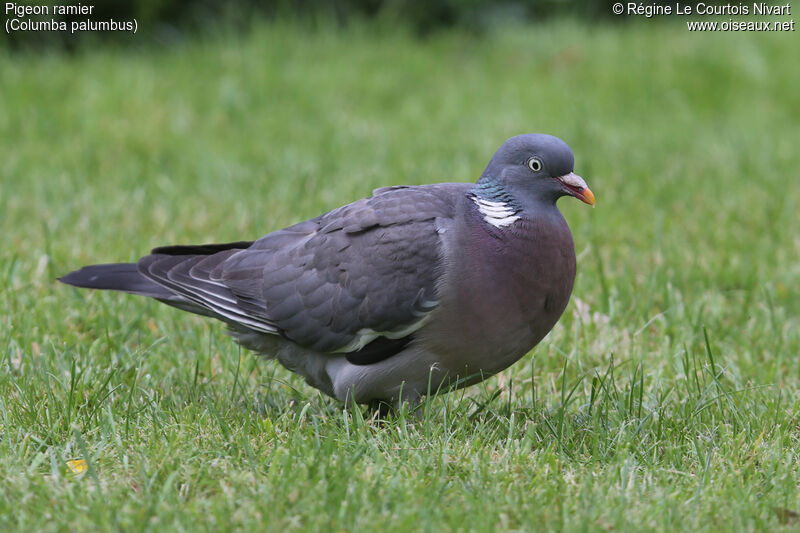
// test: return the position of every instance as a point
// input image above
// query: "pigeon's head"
(537, 167)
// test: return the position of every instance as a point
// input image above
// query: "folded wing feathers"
(175, 273)
(334, 283)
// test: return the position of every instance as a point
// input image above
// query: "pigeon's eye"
(535, 164)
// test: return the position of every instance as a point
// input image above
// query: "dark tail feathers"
(123, 277)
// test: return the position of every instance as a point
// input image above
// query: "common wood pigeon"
(396, 295)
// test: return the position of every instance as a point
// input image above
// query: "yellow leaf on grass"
(77, 466)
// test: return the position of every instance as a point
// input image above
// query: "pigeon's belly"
(505, 299)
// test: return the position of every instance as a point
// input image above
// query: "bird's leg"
(381, 409)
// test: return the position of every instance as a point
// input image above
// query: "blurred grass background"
(666, 398)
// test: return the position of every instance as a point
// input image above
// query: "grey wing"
(186, 271)
(335, 283)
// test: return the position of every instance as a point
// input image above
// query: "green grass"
(665, 399)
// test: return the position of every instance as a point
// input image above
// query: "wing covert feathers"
(365, 271)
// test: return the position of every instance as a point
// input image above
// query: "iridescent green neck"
(489, 188)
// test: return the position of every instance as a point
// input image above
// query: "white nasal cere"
(498, 214)
(573, 180)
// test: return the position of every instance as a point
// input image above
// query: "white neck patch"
(498, 214)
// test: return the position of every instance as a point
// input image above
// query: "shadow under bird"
(396, 295)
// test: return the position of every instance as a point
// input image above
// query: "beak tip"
(587, 196)
(573, 185)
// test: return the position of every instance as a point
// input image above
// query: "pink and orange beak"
(575, 186)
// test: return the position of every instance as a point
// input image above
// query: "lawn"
(665, 399)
